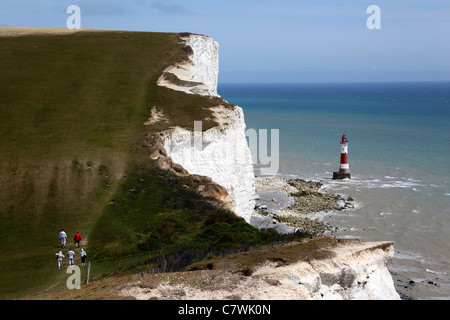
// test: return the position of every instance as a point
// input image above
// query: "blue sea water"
(399, 156)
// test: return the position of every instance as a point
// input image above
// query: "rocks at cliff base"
(290, 201)
(309, 199)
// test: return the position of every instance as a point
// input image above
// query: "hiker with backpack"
(83, 256)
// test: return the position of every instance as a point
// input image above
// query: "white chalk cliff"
(352, 271)
(200, 72)
(222, 152)
(357, 271)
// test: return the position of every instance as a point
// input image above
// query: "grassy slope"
(72, 109)
(244, 263)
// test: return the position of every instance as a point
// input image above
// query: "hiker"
(70, 255)
(63, 237)
(83, 256)
(59, 257)
(77, 239)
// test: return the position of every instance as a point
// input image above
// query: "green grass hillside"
(72, 109)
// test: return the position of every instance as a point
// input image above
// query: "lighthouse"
(344, 169)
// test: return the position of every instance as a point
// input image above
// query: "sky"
(279, 41)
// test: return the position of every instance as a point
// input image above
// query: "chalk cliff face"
(199, 74)
(352, 271)
(357, 271)
(221, 152)
(205, 61)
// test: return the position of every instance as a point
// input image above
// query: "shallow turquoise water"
(399, 155)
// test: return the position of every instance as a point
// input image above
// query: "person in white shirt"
(83, 256)
(59, 257)
(63, 237)
(70, 255)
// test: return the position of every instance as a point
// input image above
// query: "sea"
(399, 158)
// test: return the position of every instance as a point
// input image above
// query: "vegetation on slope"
(72, 109)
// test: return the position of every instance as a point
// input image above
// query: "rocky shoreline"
(290, 202)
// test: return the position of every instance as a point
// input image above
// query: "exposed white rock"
(354, 271)
(200, 72)
(205, 61)
(358, 271)
(222, 152)
(156, 116)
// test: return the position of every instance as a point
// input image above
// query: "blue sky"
(279, 41)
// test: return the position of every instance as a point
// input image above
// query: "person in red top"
(77, 239)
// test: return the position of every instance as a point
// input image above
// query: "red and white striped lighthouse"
(344, 169)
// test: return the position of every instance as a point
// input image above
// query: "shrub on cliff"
(226, 235)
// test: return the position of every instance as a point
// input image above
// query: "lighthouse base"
(342, 174)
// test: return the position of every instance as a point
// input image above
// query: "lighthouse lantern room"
(344, 169)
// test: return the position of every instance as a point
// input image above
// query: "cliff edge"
(313, 269)
(353, 270)
(326, 270)
(75, 154)
(221, 152)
